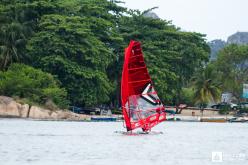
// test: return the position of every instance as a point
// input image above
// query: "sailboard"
(141, 106)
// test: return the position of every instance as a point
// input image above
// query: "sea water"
(97, 143)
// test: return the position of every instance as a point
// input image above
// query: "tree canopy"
(206, 87)
(172, 56)
(232, 67)
(81, 43)
(33, 84)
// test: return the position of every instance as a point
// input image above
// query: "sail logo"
(149, 97)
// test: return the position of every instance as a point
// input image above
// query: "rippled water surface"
(92, 143)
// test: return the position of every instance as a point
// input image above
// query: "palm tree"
(206, 89)
(12, 40)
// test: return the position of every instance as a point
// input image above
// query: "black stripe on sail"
(148, 97)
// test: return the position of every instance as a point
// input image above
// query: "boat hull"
(104, 119)
(214, 120)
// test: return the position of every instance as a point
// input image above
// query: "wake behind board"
(138, 133)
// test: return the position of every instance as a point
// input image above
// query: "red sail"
(141, 105)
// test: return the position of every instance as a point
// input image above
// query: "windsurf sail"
(141, 106)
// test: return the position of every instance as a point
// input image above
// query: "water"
(91, 143)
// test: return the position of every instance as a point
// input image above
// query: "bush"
(225, 109)
(32, 84)
(187, 96)
(243, 110)
(116, 111)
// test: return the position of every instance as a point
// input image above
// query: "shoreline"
(176, 119)
(10, 109)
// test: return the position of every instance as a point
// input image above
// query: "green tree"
(100, 16)
(187, 96)
(232, 67)
(77, 43)
(12, 40)
(172, 56)
(32, 84)
(18, 22)
(206, 88)
(82, 42)
(66, 47)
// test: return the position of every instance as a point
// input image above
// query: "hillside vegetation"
(78, 45)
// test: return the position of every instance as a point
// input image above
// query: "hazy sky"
(216, 18)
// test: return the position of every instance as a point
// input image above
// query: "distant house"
(226, 97)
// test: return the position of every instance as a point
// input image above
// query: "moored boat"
(216, 120)
(239, 120)
(102, 118)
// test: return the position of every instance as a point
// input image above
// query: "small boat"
(141, 106)
(172, 119)
(238, 120)
(101, 118)
(189, 118)
(216, 120)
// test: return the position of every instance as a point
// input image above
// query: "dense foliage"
(206, 86)
(232, 67)
(172, 56)
(33, 84)
(227, 74)
(82, 42)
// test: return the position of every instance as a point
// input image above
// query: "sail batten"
(139, 81)
(141, 105)
(137, 68)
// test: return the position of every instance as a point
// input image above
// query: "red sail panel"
(141, 105)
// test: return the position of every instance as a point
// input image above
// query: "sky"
(218, 19)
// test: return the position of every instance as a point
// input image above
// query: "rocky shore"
(11, 109)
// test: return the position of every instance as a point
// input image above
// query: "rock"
(76, 117)
(238, 38)
(24, 110)
(54, 116)
(151, 15)
(39, 113)
(9, 108)
(216, 46)
(5, 100)
(60, 115)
